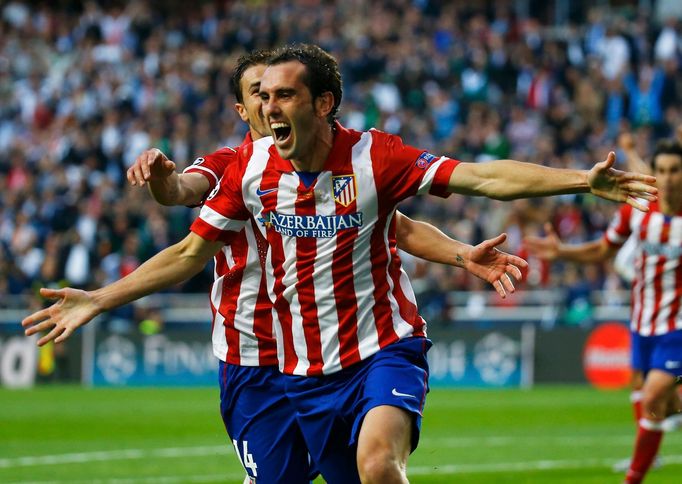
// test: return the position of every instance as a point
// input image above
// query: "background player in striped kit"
(656, 320)
(349, 335)
(256, 413)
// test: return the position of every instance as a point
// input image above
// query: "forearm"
(179, 189)
(509, 179)
(426, 242)
(588, 252)
(166, 191)
(167, 268)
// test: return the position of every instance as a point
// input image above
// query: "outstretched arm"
(166, 186)
(75, 307)
(551, 248)
(509, 179)
(483, 260)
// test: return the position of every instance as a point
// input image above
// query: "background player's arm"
(509, 179)
(484, 260)
(75, 307)
(551, 248)
(633, 162)
(165, 185)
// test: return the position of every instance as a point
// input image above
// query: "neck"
(321, 145)
(255, 135)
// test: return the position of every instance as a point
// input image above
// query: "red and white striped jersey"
(332, 267)
(242, 327)
(657, 286)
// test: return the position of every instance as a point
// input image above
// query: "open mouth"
(280, 131)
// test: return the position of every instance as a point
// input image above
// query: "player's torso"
(657, 288)
(332, 267)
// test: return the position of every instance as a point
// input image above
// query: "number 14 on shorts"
(245, 458)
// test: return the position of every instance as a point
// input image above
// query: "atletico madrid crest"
(345, 190)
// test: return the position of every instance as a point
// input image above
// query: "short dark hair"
(322, 71)
(666, 147)
(243, 63)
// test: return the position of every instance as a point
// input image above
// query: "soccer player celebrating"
(349, 339)
(257, 415)
(656, 320)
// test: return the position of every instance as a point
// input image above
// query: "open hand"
(620, 186)
(73, 309)
(494, 266)
(546, 247)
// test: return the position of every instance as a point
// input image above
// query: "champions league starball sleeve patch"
(424, 160)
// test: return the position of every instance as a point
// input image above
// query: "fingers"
(515, 271)
(610, 159)
(50, 293)
(140, 172)
(50, 336)
(494, 242)
(67, 332)
(35, 317)
(500, 289)
(633, 202)
(508, 283)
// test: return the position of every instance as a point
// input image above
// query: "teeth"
(279, 125)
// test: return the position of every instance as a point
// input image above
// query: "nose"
(269, 107)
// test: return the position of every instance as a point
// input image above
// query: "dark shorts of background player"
(330, 409)
(662, 352)
(261, 422)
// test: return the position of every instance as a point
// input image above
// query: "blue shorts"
(261, 423)
(330, 409)
(663, 352)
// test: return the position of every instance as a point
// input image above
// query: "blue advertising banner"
(482, 357)
(171, 358)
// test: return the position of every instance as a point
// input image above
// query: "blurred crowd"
(86, 87)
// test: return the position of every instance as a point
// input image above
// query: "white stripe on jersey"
(213, 218)
(191, 168)
(430, 174)
(368, 337)
(218, 335)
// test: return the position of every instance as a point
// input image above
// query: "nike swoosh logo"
(398, 394)
(260, 192)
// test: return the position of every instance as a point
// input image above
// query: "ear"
(241, 110)
(324, 103)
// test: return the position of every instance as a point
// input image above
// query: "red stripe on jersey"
(441, 180)
(306, 252)
(262, 327)
(658, 279)
(408, 310)
(263, 322)
(232, 280)
(638, 288)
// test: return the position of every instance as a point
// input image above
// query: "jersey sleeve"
(212, 167)
(224, 212)
(619, 229)
(405, 171)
